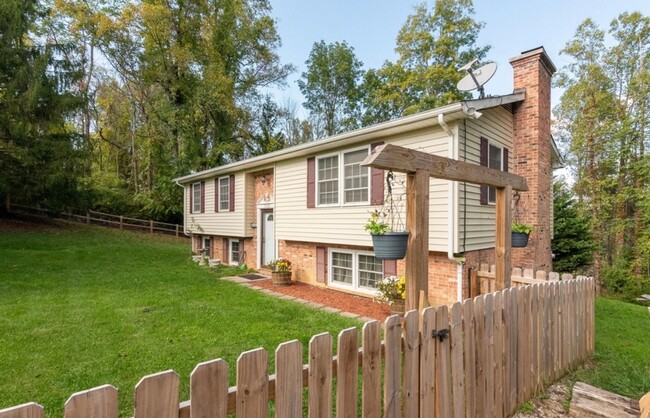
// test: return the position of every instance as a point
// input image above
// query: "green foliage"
(573, 243)
(98, 306)
(431, 45)
(617, 280)
(331, 85)
(40, 157)
(521, 228)
(377, 223)
(602, 121)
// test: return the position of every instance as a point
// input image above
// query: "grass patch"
(84, 306)
(621, 362)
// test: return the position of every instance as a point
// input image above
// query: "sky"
(370, 27)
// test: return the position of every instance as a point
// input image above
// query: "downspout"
(451, 211)
(184, 220)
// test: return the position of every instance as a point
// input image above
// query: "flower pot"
(519, 239)
(391, 245)
(397, 306)
(281, 277)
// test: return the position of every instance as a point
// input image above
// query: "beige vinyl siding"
(496, 126)
(345, 224)
(228, 224)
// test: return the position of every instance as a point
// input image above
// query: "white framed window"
(355, 270)
(495, 160)
(206, 242)
(341, 180)
(224, 194)
(328, 180)
(196, 198)
(234, 251)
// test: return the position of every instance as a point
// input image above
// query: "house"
(309, 203)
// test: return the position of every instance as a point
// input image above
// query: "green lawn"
(81, 307)
(621, 363)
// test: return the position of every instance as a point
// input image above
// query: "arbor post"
(417, 223)
(503, 238)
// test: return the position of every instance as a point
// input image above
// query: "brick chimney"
(532, 153)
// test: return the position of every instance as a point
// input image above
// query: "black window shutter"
(191, 198)
(505, 159)
(376, 181)
(484, 163)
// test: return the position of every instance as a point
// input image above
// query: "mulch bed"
(365, 307)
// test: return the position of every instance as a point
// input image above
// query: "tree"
(431, 46)
(331, 85)
(40, 157)
(572, 243)
(603, 124)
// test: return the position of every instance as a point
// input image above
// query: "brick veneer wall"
(532, 156)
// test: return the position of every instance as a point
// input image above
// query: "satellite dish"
(475, 79)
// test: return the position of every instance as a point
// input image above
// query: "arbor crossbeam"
(419, 166)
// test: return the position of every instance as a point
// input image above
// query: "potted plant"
(520, 233)
(392, 290)
(388, 243)
(280, 271)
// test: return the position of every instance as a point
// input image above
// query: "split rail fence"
(480, 358)
(107, 220)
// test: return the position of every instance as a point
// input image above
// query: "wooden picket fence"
(487, 281)
(483, 357)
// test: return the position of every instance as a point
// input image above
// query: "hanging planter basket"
(519, 240)
(390, 245)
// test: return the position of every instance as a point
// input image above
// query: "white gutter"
(451, 209)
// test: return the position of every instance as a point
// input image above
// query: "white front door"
(268, 237)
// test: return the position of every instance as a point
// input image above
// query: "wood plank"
(347, 373)
(503, 238)
(480, 353)
(209, 390)
(405, 160)
(428, 364)
(27, 410)
(594, 402)
(320, 376)
(507, 355)
(514, 348)
(521, 345)
(417, 223)
(457, 372)
(252, 384)
(371, 370)
(443, 365)
(288, 380)
(99, 402)
(411, 363)
(392, 363)
(498, 354)
(535, 343)
(644, 405)
(488, 347)
(469, 358)
(528, 349)
(546, 332)
(156, 395)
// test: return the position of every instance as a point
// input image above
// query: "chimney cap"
(543, 56)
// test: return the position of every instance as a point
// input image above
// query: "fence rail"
(483, 357)
(107, 220)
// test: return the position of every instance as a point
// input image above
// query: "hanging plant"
(520, 231)
(386, 227)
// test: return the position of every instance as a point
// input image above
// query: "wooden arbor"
(419, 166)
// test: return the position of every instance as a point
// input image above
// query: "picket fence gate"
(480, 358)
